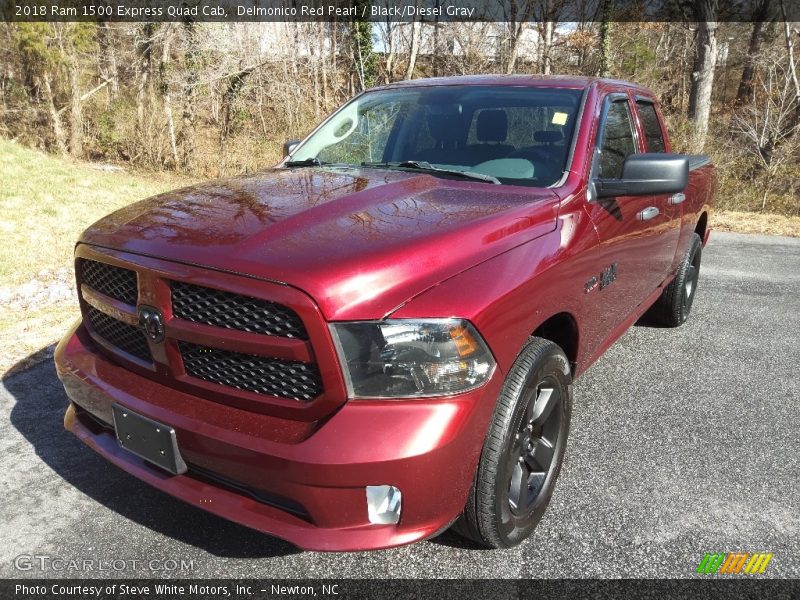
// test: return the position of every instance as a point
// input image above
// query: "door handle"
(648, 213)
(676, 199)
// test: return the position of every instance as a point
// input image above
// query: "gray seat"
(447, 130)
(547, 156)
(491, 131)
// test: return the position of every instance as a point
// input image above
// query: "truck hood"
(360, 242)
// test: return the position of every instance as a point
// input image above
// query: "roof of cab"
(559, 81)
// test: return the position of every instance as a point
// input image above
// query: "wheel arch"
(562, 330)
(702, 226)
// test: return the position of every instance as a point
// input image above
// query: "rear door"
(637, 236)
(652, 131)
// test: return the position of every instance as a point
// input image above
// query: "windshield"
(516, 135)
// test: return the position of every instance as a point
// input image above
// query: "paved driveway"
(683, 441)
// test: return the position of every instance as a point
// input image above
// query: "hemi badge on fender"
(590, 285)
(607, 277)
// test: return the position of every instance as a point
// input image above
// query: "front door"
(637, 241)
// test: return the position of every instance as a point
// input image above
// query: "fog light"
(383, 504)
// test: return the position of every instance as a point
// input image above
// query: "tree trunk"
(260, 104)
(107, 59)
(55, 117)
(605, 39)
(317, 58)
(144, 49)
(166, 97)
(705, 62)
(335, 61)
(323, 65)
(364, 58)
(745, 91)
(390, 53)
(519, 15)
(547, 47)
(761, 17)
(299, 98)
(517, 30)
(412, 57)
(75, 113)
(235, 82)
(186, 136)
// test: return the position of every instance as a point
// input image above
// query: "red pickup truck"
(376, 339)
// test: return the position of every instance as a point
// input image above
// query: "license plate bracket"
(148, 439)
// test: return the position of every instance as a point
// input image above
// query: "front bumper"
(302, 482)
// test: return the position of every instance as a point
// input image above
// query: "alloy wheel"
(534, 448)
(690, 284)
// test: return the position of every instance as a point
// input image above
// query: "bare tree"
(546, 13)
(73, 41)
(705, 62)
(55, 116)
(606, 26)
(144, 52)
(388, 31)
(164, 84)
(761, 18)
(414, 50)
(518, 13)
(765, 129)
(191, 66)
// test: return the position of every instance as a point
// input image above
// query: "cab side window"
(651, 126)
(617, 142)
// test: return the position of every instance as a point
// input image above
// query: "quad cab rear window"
(652, 128)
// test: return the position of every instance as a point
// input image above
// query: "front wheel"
(523, 451)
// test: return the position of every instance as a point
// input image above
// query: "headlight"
(409, 358)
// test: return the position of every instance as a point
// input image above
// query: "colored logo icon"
(734, 563)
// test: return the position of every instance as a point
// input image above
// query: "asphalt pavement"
(683, 442)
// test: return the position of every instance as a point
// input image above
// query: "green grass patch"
(47, 201)
(45, 204)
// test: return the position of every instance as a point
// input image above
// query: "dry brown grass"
(747, 222)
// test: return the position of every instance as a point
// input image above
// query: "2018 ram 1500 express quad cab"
(377, 338)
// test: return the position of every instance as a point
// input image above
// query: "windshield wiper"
(421, 165)
(306, 162)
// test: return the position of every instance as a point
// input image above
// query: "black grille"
(259, 374)
(234, 311)
(112, 281)
(120, 335)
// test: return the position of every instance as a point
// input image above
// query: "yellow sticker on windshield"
(560, 118)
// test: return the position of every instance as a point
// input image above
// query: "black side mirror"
(647, 174)
(289, 146)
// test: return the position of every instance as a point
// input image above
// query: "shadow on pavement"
(37, 414)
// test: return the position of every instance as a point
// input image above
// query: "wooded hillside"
(219, 99)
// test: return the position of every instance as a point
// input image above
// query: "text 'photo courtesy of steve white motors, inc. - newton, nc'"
(233, 10)
(168, 589)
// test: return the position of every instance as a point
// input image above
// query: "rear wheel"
(675, 303)
(523, 451)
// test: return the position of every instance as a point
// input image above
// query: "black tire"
(509, 493)
(675, 303)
